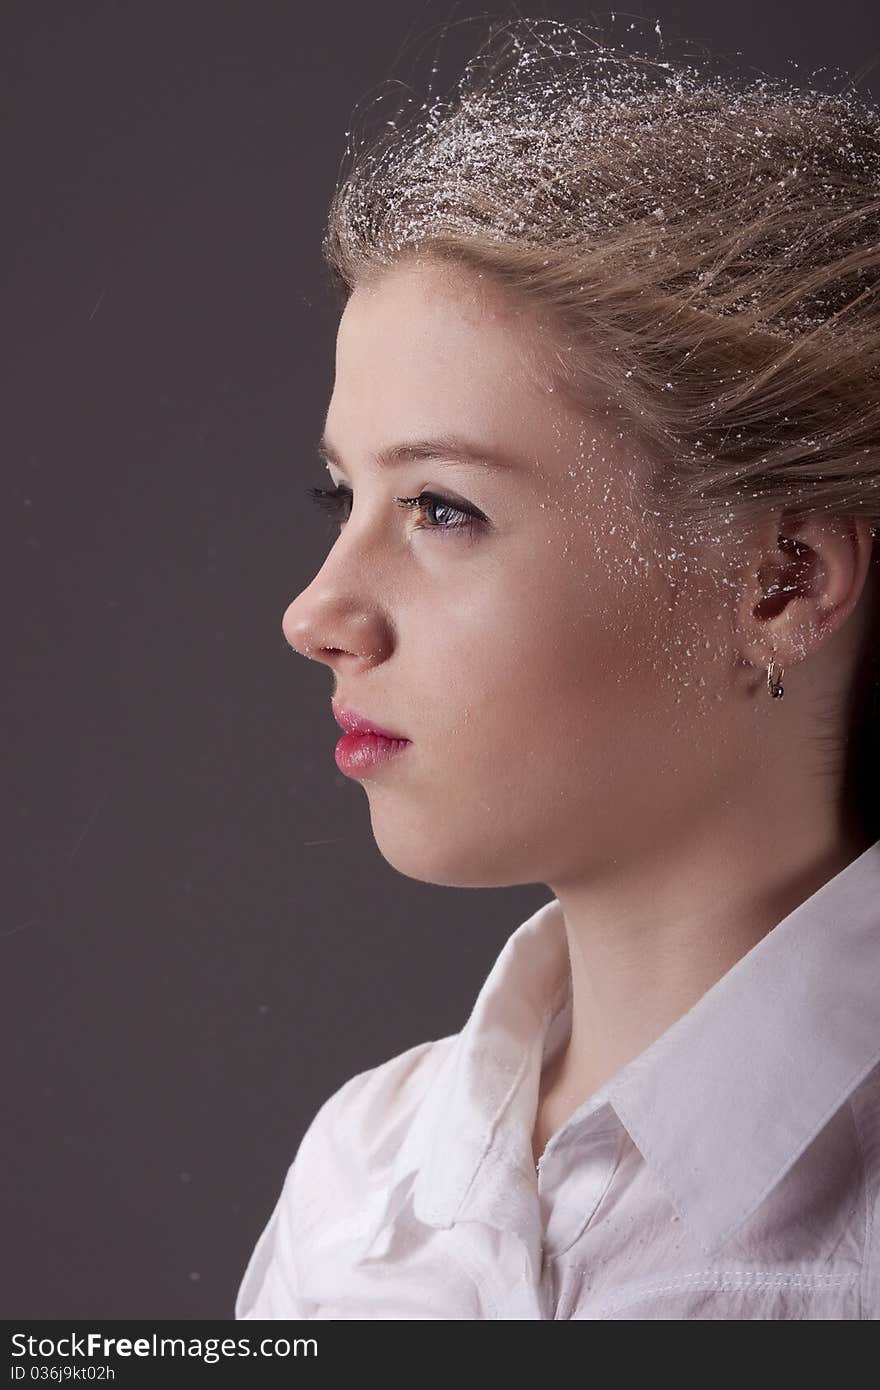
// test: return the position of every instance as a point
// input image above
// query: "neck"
(650, 932)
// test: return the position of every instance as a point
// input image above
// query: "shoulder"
(374, 1108)
(338, 1183)
(355, 1136)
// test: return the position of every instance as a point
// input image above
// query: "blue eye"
(335, 501)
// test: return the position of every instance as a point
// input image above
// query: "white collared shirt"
(731, 1170)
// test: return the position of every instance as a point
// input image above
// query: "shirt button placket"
(573, 1177)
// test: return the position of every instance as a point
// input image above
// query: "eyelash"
(333, 499)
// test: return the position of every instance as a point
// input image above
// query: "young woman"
(604, 446)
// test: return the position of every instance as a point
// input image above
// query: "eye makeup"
(426, 504)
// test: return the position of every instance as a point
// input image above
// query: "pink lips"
(365, 746)
(354, 723)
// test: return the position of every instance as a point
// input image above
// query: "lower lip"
(357, 754)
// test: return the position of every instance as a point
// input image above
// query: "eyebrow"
(447, 448)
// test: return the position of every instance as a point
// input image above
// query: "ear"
(804, 578)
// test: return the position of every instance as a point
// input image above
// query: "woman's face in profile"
(552, 664)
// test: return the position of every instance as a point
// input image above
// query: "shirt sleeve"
(270, 1287)
(335, 1182)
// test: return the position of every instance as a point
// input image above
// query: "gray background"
(199, 939)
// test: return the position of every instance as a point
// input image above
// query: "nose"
(336, 628)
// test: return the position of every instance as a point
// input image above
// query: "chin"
(441, 857)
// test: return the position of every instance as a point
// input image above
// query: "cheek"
(546, 646)
(599, 661)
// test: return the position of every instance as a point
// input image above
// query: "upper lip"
(353, 722)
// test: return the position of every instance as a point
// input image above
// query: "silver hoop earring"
(775, 688)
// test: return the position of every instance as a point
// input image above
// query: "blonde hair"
(706, 247)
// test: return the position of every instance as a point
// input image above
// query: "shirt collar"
(721, 1105)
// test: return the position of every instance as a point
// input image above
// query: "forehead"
(449, 296)
(424, 319)
(424, 345)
